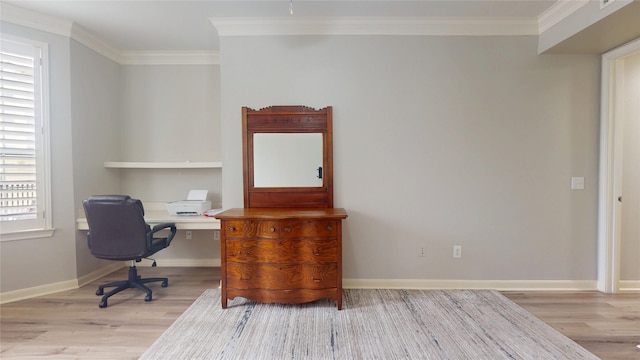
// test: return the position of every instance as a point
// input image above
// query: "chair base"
(134, 281)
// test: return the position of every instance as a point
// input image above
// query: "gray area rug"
(373, 324)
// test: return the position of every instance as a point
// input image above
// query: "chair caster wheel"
(164, 284)
(103, 304)
(100, 292)
(147, 298)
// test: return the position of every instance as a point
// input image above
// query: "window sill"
(27, 234)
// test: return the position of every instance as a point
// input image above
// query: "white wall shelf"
(163, 165)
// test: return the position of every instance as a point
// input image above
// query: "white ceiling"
(167, 25)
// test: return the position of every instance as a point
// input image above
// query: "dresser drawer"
(248, 229)
(282, 277)
(309, 228)
(282, 251)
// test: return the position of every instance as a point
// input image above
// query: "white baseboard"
(629, 285)
(11, 296)
(95, 275)
(420, 284)
(505, 285)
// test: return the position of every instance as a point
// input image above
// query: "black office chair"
(118, 231)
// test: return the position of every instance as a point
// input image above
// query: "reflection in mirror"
(287, 159)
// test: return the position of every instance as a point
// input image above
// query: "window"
(24, 162)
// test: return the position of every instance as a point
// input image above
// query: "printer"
(195, 204)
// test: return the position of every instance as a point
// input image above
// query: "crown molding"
(23, 17)
(34, 20)
(69, 29)
(374, 26)
(170, 58)
(559, 11)
(95, 43)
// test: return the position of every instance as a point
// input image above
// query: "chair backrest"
(117, 229)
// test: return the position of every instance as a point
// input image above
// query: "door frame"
(610, 178)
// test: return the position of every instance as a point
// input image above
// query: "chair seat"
(118, 231)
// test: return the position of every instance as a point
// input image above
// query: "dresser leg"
(223, 295)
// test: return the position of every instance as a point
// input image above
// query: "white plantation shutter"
(22, 152)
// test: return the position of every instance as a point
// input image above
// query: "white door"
(630, 205)
(619, 192)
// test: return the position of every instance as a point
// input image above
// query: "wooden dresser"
(282, 255)
(285, 245)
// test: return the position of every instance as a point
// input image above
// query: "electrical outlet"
(188, 235)
(577, 183)
(457, 251)
(216, 235)
(421, 251)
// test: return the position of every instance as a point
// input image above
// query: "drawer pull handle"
(316, 253)
(245, 278)
(287, 229)
(272, 229)
(329, 228)
(317, 280)
(231, 228)
(247, 252)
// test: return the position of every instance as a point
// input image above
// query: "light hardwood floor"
(607, 325)
(69, 325)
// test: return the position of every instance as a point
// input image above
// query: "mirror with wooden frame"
(287, 157)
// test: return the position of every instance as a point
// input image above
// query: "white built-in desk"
(156, 213)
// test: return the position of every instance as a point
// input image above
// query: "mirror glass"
(287, 159)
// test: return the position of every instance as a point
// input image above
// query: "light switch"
(577, 183)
